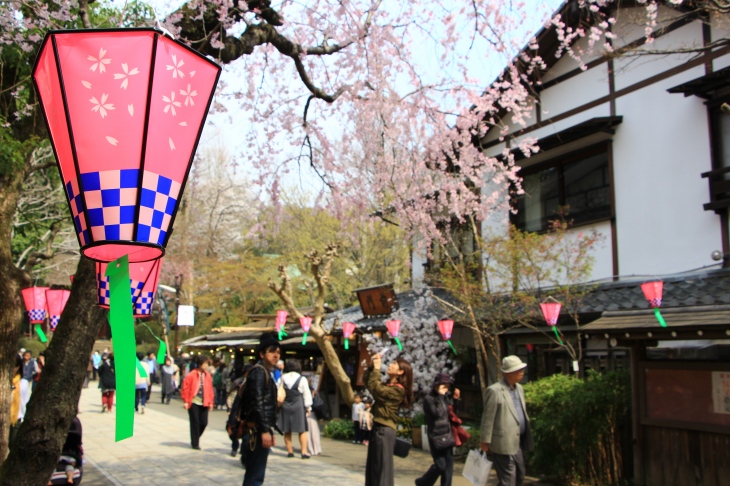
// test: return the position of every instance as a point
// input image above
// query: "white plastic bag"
(477, 468)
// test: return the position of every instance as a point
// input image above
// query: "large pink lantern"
(55, 302)
(653, 293)
(125, 109)
(551, 313)
(446, 328)
(281, 316)
(394, 330)
(143, 280)
(347, 329)
(306, 323)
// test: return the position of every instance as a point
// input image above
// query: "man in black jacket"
(258, 410)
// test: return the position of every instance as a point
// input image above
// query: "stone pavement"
(160, 453)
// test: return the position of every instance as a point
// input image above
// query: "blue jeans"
(140, 395)
(253, 458)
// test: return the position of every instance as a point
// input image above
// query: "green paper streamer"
(347, 343)
(40, 333)
(122, 323)
(162, 352)
(658, 315)
(142, 370)
(555, 328)
(304, 339)
(452, 346)
(400, 346)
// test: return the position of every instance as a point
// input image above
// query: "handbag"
(477, 468)
(402, 447)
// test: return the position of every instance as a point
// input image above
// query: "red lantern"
(446, 328)
(653, 293)
(35, 304)
(55, 302)
(306, 323)
(143, 279)
(347, 329)
(551, 312)
(124, 109)
(394, 330)
(281, 322)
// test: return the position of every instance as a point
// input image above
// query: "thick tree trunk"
(11, 304)
(334, 365)
(54, 403)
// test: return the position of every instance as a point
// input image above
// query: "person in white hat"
(505, 431)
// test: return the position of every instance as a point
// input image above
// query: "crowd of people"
(270, 396)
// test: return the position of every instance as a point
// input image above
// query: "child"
(72, 455)
(357, 408)
(366, 421)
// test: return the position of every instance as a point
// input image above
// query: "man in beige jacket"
(505, 429)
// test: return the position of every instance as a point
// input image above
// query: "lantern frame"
(65, 294)
(154, 274)
(653, 292)
(90, 245)
(35, 294)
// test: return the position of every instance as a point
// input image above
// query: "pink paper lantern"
(653, 292)
(551, 312)
(393, 328)
(306, 323)
(446, 328)
(35, 304)
(124, 109)
(55, 302)
(347, 329)
(281, 319)
(143, 280)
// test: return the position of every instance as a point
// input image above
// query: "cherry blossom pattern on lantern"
(101, 106)
(175, 68)
(125, 75)
(171, 103)
(99, 62)
(189, 94)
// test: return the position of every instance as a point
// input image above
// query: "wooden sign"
(377, 301)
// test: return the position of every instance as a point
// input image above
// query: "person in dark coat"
(440, 434)
(107, 382)
(167, 380)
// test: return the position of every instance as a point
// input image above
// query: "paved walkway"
(160, 453)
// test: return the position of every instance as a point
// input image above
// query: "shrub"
(32, 345)
(577, 427)
(339, 429)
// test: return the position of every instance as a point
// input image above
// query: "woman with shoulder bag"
(440, 434)
(296, 408)
(389, 398)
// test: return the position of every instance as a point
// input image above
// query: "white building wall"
(574, 92)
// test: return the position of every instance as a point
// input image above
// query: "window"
(579, 182)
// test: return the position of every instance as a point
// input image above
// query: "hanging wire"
(159, 25)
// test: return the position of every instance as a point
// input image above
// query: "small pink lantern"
(551, 312)
(125, 109)
(55, 302)
(347, 329)
(35, 304)
(306, 323)
(143, 279)
(281, 323)
(394, 330)
(653, 293)
(446, 328)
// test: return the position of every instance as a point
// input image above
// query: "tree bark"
(54, 403)
(11, 302)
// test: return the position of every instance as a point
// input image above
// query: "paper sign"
(186, 315)
(721, 391)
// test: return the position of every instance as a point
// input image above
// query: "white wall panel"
(574, 92)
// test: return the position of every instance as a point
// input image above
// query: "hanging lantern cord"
(400, 346)
(452, 346)
(41, 334)
(659, 317)
(347, 343)
(304, 339)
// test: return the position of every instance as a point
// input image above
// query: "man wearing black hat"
(505, 431)
(258, 410)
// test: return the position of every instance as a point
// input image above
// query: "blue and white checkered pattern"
(102, 287)
(143, 304)
(157, 205)
(37, 315)
(54, 322)
(111, 197)
(74, 201)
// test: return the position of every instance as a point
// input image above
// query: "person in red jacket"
(197, 393)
